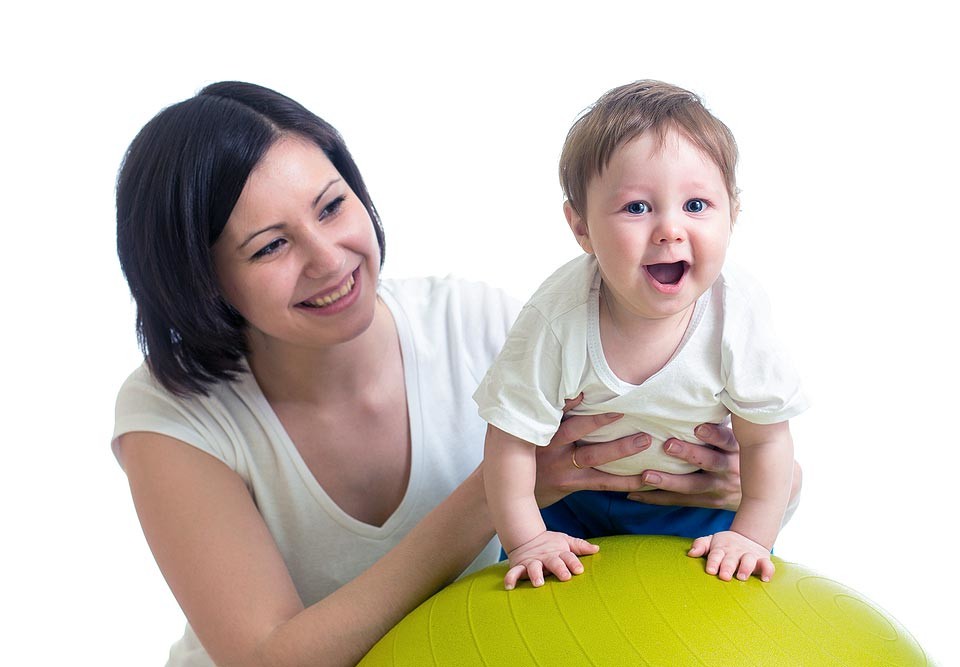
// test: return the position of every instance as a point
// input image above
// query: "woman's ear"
(578, 226)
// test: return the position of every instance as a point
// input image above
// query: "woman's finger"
(575, 427)
(703, 456)
(592, 455)
(718, 436)
(673, 499)
(571, 403)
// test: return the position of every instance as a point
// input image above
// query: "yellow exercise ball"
(642, 601)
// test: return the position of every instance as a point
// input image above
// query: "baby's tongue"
(668, 274)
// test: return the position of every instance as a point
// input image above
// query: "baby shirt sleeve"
(761, 384)
(521, 392)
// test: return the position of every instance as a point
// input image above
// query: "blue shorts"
(590, 514)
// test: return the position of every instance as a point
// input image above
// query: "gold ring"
(573, 457)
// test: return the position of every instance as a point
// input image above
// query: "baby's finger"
(767, 569)
(535, 572)
(728, 566)
(581, 547)
(514, 574)
(748, 563)
(558, 567)
(714, 558)
(572, 562)
(700, 546)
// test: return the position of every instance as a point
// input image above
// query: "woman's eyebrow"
(279, 225)
(324, 191)
(257, 233)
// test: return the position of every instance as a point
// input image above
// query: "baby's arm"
(766, 472)
(510, 475)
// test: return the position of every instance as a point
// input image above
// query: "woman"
(300, 435)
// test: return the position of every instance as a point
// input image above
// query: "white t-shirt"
(449, 333)
(728, 361)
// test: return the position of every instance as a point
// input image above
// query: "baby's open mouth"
(667, 274)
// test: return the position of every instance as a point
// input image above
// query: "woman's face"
(298, 257)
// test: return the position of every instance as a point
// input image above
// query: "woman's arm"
(226, 572)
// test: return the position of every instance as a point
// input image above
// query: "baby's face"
(658, 219)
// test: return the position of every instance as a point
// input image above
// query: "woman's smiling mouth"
(333, 297)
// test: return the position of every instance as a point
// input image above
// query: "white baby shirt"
(728, 361)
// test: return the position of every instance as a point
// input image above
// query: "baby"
(648, 323)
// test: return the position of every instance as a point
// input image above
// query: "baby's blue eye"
(695, 206)
(637, 207)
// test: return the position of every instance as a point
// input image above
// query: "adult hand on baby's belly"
(654, 458)
(716, 484)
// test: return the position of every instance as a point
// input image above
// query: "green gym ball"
(642, 601)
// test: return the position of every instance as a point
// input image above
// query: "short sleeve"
(521, 393)
(144, 405)
(761, 384)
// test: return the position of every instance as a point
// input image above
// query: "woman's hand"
(557, 475)
(716, 484)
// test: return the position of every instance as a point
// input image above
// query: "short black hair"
(178, 183)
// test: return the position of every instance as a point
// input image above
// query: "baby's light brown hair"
(628, 111)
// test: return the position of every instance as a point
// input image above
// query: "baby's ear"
(578, 226)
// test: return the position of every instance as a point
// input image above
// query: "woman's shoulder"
(461, 321)
(201, 420)
(450, 298)
(141, 387)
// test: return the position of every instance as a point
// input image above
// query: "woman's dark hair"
(178, 183)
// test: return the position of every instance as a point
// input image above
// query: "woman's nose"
(323, 256)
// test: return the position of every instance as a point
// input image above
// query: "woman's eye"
(695, 206)
(332, 208)
(269, 249)
(637, 207)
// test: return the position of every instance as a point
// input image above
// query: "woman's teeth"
(332, 298)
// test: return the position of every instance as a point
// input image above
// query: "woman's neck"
(324, 375)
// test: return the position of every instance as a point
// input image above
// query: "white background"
(845, 114)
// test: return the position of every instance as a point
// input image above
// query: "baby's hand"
(557, 552)
(729, 552)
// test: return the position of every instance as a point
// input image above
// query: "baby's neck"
(634, 347)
